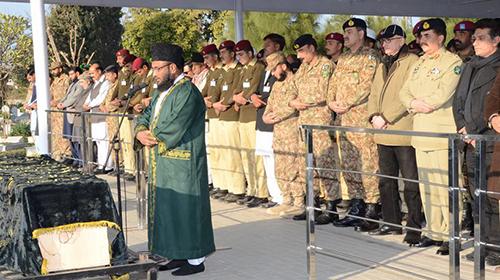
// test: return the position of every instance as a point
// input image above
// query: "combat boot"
(358, 208)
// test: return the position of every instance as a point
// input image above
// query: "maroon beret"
(122, 52)
(335, 36)
(465, 25)
(228, 44)
(243, 45)
(208, 49)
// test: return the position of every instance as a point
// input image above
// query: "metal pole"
(83, 143)
(238, 19)
(454, 196)
(480, 202)
(310, 239)
(42, 73)
(141, 185)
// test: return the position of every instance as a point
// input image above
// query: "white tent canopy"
(424, 8)
(441, 8)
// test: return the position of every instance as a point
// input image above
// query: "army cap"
(435, 24)
(305, 39)
(122, 52)
(137, 64)
(55, 65)
(417, 28)
(354, 22)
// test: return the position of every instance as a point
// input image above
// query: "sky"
(18, 9)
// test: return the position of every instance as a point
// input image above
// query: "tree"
(187, 28)
(258, 24)
(80, 31)
(16, 51)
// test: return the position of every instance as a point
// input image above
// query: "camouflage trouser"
(287, 165)
(326, 183)
(60, 145)
(359, 153)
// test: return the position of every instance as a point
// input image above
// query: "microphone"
(135, 89)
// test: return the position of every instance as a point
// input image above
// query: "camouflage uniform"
(310, 85)
(286, 144)
(351, 83)
(60, 146)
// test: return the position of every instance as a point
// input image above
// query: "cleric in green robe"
(173, 126)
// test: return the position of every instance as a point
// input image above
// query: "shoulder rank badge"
(326, 71)
(457, 70)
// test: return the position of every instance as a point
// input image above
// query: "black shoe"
(219, 194)
(327, 217)
(386, 230)
(444, 249)
(344, 204)
(244, 200)
(210, 187)
(302, 216)
(358, 208)
(493, 259)
(427, 242)
(257, 202)
(173, 264)
(269, 204)
(102, 172)
(189, 269)
(213, 191)
(230, 198)
(372, 212)
(412, 238)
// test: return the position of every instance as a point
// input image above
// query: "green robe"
(179, 224)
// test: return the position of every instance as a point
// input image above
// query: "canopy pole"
(238, 19)
(42, 72)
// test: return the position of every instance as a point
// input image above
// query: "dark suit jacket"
(259, 124)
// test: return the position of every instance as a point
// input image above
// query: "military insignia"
(350, 23)
(457, 70)
(326, 70)
(415, 70)
(371, 57)
(435, 71)
(426, 25)
(296, 46)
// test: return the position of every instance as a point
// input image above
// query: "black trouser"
(392, 160)
(491, 221)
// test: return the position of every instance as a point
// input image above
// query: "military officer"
(334, 46)
(428, 94)
(463, 39)
(58, 88)
(310, 88)
(348, 98)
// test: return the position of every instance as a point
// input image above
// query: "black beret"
(354, 22)
(168, 52)
(435, 24)
(197, 58)
(305, 39)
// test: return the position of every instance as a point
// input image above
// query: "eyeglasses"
(156, 69)
(388, 40)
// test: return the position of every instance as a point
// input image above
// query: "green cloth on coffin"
(180, 225)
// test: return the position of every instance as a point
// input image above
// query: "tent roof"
(438, 8)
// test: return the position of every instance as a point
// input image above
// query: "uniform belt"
(317, 104)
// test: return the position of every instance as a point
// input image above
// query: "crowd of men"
(257, 101)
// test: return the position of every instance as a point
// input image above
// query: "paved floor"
(254, 245)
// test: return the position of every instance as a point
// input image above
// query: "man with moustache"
(58, 89)
(428, 94)
(463, 39)
(173, 126)
(334, 46)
